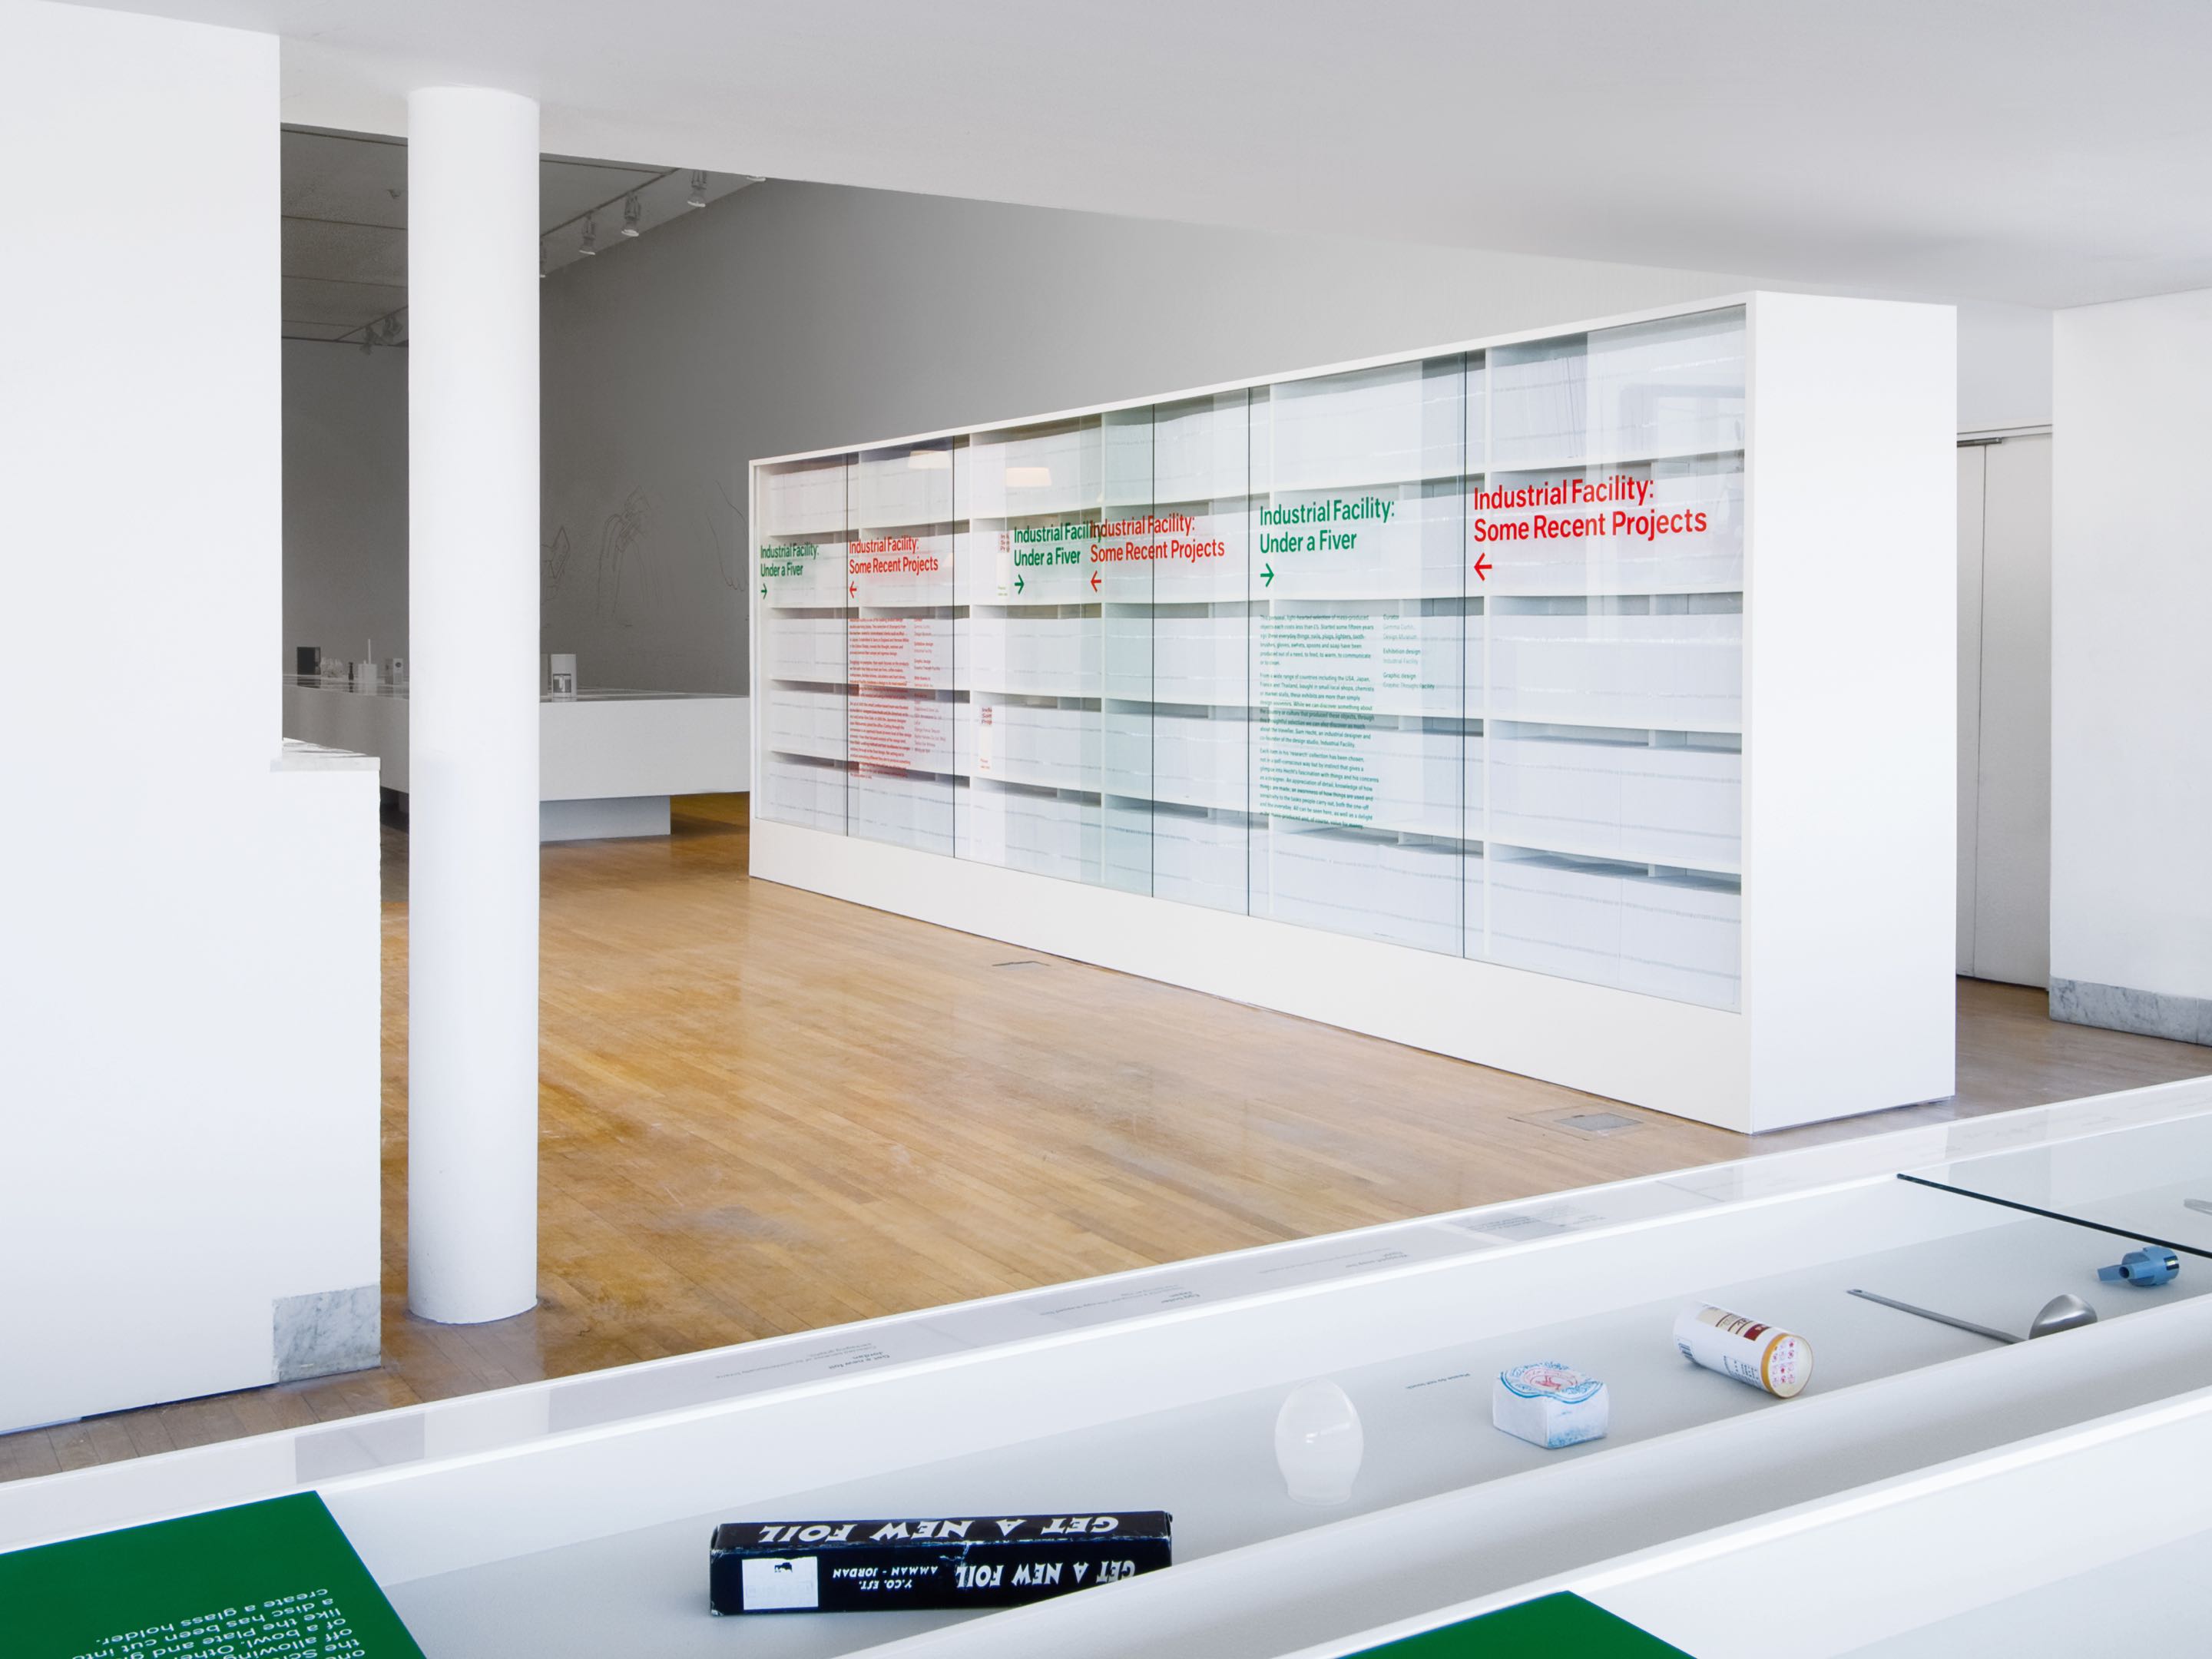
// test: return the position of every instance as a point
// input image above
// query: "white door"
(2004, 710)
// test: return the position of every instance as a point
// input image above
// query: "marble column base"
(2124, 1008)
(326, 1332)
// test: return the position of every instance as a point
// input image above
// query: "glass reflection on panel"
(1029, 646)
(1178, 681)
(1358, 646)
(1447, 654)
(1673, 386)
(803, 509)
(899, 567)
(1607, 503)
(1126, 546)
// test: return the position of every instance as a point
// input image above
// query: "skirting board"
(2124, 1008)
(1670, 1056)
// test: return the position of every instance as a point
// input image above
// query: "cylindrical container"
(1777, 1361)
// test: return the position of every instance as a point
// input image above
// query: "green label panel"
(276, 1580)
(1558, 1624)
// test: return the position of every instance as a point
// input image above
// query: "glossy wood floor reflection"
(765, 1111)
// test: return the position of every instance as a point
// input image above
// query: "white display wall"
(1447, 653)
(189, 995)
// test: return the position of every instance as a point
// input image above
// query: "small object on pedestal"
(2144, 1266)
(899, 1566)
(1550, 1405)
(2063, 1312)
(1780, 1362)
(1319, 1443)
(560, 674)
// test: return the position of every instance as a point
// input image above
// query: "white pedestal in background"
(607, 763)
(609, 819)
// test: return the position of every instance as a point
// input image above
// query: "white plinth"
(600, 747)
(611, 818)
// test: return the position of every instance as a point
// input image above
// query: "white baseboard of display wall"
(1670, 1056)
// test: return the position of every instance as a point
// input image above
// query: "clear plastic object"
(1319, 1443)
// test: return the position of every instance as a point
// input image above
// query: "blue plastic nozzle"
(2146, 1267)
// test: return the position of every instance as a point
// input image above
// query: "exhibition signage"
(1562, 1623)
(274, 1580)
(1422, 651)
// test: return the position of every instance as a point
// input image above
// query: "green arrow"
(763, 590)
(1019, 583)
(1267, 576)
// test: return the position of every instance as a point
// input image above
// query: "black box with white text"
(960, 1561)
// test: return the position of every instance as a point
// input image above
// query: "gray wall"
(792, 316)
(345, 500)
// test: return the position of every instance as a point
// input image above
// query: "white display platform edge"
(1848, 956)
(1894, 1555)
(395, 1444)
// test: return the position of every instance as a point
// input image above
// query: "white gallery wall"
(345, 500)
(791, 316)
(2131, 668)
(188, 997)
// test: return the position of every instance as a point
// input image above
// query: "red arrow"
(1094, 582)
(852, 588)
(1482, 567)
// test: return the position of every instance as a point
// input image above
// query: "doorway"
(2004, 707)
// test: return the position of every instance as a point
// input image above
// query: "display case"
(573, 1516)
(1452, 653)
(2075, 1542)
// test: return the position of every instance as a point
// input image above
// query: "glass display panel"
(1175, 551)
(1127, 543)
(1606, 529)
(1444, 652)
(806, 689)
(1358, 646)
(1029, 649)
(900, 717)
(2151, 1183)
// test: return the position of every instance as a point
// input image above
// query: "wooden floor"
(766, 1111)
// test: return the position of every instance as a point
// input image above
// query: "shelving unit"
(1450, 651)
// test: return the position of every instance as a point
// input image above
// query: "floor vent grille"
(1585, 1121)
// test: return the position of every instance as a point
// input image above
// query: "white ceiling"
(2047, 152)
(345, 223)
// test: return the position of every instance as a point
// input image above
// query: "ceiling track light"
(698, 198)
(633, 210)
(541, 262)
(590, 245)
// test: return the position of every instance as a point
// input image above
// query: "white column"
(472, 618)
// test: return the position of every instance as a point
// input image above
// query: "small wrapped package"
(1550, 1405)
